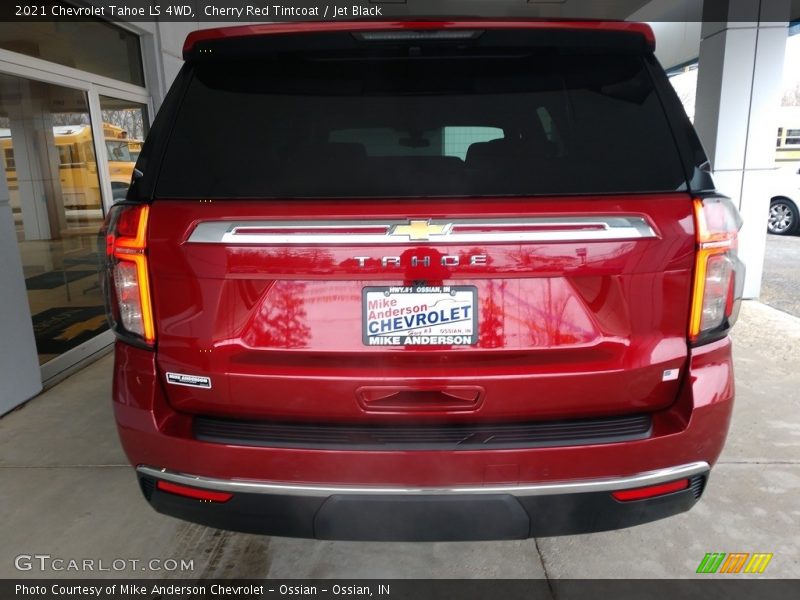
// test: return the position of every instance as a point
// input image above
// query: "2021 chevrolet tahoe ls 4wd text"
(422, 280)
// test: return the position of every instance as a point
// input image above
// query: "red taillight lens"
(128, 282)
(196, 493)
(718, 271)
(651, 491)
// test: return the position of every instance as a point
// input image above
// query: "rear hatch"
(491, 228)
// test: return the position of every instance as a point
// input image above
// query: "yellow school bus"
(122, 153)
(77, 168)
(787, 147)
(135, 148)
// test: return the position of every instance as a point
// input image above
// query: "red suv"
(422, 280)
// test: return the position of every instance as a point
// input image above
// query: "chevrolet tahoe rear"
(422, 280)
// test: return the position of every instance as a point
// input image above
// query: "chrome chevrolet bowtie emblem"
(419, 230)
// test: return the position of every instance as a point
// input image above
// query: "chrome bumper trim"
(534, 489)
(429, 231)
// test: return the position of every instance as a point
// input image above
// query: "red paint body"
(279, 329)
(412, 25)
(568, 330)
(589, 329)
(153, 433)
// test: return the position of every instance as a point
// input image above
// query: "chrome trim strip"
(599, 228)
(534, 489)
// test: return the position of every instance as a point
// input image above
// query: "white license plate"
(420, 315)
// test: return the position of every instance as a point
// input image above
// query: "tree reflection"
(491, 330)
(281, 319)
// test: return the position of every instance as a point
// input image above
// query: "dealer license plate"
(420, 315)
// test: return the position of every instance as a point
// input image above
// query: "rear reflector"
(651, 491)
(196, 493)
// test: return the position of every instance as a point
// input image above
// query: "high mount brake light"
(127, 281)
(718, 273)
(405, 35)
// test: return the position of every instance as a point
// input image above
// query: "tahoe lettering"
(445, 260)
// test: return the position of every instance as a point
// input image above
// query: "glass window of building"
(89, 45)
(50, 176)
(125, 126)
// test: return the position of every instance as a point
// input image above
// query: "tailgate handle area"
(405, 399)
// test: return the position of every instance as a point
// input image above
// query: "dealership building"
(63, 82)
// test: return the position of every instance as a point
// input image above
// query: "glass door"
(125, 125)
(48, 154)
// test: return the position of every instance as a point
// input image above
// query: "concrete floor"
(68, 492)
(780, 286)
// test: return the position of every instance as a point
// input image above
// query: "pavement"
(780, 286)
(68, 492)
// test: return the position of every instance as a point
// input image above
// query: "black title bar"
(247, 11)
(400, 589)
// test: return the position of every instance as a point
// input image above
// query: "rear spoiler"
(202, 42)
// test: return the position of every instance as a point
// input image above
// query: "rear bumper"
(691, 431)
(423, 514)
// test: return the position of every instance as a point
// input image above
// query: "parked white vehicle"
(784, 218)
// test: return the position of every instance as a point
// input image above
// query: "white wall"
(20, 378)
(676, 24)
(676, 43)
(736, 116)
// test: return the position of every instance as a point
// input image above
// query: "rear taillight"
(718, 273)
(126, 281)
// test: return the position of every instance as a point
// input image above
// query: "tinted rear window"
(530, 124)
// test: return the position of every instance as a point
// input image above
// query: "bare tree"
(129, 120)
(791, 97)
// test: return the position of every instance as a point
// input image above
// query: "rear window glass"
(542, 123)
